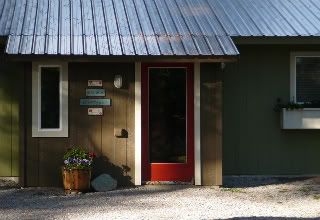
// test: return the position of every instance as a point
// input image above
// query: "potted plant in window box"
(76, 172)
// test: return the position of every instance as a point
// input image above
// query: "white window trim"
(293, 71)
(138, 146)
(37, 131)
(197, 125)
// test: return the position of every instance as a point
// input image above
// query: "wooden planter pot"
(76, 180)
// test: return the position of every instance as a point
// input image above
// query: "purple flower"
(78, 162)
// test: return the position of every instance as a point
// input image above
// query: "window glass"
(50, 97)
(308, 79)
(167, 115)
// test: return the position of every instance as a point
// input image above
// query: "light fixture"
(223, 66)
(117, 81)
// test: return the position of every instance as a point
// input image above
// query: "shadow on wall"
(94, 133)
(9, 118)
(103, 165)
(109, 136)
(8, 99)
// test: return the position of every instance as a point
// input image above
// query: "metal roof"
(276, 18)
(149, 27)
(113, 27)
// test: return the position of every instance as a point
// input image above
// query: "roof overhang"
(299, 40)
(73, 58)
(187, 45)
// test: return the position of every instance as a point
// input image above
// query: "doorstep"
(166, 183)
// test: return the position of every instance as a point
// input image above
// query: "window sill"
(306, 118)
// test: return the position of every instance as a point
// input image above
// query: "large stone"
(104, 183)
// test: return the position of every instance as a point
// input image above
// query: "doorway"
(167, 122)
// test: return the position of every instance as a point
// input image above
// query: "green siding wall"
(10, 91)
(253, 143)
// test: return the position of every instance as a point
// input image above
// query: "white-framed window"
(305, 77)
(49, 99)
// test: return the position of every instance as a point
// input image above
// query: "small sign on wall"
(95, 111)
(95, 83)
(95, 102)
(96, 92)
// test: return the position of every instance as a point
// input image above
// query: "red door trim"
(163, 171)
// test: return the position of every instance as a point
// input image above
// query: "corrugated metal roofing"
(268, 17)
(150, 27)
(114, 27)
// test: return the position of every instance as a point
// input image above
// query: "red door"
(167, 122)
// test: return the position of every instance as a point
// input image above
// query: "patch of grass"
(306, 189)
(233, 190)
(283, 190)
(270, 196)
(316, 197)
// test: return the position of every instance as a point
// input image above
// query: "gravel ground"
(241, 198)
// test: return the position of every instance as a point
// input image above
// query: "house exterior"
(160, 90)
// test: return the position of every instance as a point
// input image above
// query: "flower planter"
(306, 118)
(76, 180)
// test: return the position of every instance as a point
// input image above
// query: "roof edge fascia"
(276, 40)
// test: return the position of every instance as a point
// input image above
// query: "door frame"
(189, 167)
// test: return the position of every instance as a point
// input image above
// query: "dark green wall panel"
(5, 123)
(253, 143)
(10, 84)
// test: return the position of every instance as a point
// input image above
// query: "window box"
(306, 118)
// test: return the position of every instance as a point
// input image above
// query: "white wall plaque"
(95, 92)
(95, 83)
(95, 102)
(95, 111)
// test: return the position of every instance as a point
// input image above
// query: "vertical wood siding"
(253, 142)
(211, 124)
(95, 133)
(11, 82)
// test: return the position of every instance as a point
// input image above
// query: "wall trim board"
(211, 124)
(15, 179)
(197, 125)
(276, 40)
(137, 140)
(273, 176)
(121, 59)
(22, 128)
